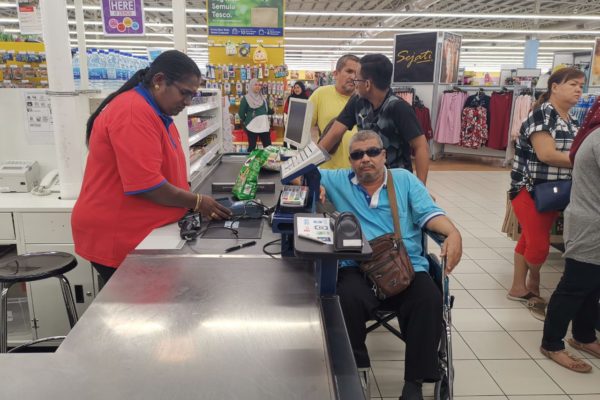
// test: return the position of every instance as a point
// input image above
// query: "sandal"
(573, 363)
(524, 298)
(537, 308)
(583, 347)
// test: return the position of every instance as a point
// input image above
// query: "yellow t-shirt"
(327, 105)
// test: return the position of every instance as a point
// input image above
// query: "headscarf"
(590, 124)
(254, 98)
(302, 94)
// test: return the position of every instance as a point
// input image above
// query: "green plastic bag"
(246, 183)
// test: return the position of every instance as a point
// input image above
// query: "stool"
(34, 267)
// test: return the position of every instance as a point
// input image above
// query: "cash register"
(293, 198)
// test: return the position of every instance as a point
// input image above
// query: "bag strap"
(393, 205)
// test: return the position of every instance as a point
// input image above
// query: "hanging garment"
(474, 131)
(520, 112)
(480, 99)
(424, 119)
(500, 108)
(448, 124)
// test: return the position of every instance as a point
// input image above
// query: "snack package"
(246, 183)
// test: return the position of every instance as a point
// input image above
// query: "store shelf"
(196, 137)
(198, 108)
(201, 162)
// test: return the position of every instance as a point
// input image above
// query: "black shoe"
(412, 390)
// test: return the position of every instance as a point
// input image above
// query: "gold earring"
(156, 87)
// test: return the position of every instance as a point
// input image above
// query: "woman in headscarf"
(254, 113)
(577, 294)
(298, 92)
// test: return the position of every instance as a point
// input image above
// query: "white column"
(83, 62)
(69, 125)
(180, 43)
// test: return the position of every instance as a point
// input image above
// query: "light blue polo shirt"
(415, 207)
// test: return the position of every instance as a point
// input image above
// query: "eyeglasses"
(359, 80)
(184, 92)
(371, 152)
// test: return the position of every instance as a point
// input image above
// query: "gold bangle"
(198, 201)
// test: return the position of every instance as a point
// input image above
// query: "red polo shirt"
(133, 149)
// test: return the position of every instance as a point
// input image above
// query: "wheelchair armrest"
(437, 237)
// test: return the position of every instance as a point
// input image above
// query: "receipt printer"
(19, 176)
(347, 235)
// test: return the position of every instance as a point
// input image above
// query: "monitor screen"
(295, 123)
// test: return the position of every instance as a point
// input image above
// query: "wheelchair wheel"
(443, 389)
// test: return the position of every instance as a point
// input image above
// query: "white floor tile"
(389, 376)
(471, 379)
(521, 377)
(505, 280)
(468, 267)
(499, 243)
(479, 398)
(477, 281)
(472, 242)
(496, 266)
(507, 253)
(572, 382)
(531, 341)
(486, 233)
(374, 393)
(494, 346)
(460, 350)
(462, 299)
(549, 280)
(385, 346)
(494, 298)
(482, 253)
(465, 320)
(516, 319)
(584, 397)
(542, 397)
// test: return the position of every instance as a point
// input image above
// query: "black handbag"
(552, 196)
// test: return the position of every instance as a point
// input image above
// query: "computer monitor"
(297, 127)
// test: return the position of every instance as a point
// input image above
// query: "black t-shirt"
(395, 121)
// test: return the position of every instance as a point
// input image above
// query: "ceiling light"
(457, 30)
(369, 14)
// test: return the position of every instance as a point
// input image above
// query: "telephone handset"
(45, 188)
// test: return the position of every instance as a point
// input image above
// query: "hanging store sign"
(595, 72)
(450, 56)
(123, 17)
(245, 17)
(30, 17)
(414, 57)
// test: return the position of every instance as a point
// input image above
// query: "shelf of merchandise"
(213, 111)
(203, 133)
(198, 108)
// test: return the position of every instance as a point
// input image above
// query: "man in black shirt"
(375, 107)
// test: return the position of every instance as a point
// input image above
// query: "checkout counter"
(197, 323)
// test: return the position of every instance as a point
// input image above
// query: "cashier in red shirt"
(135, 179)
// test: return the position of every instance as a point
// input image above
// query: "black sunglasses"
(371, 152)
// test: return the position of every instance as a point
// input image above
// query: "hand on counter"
(213, 210)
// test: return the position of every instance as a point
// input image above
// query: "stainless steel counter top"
(188, 328)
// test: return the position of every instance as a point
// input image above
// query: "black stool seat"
(35, 266)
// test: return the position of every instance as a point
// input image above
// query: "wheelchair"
(444, 387)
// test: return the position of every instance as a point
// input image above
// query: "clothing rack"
(507, 154)
(405, 92)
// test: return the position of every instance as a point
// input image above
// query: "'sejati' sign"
(414, 57)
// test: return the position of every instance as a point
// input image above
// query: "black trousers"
(419, 310)
(265, 138)
(104, 272)
(575, 299)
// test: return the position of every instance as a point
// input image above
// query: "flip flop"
(537, 308)
(582, 347)
(575, 364)
(522, 299)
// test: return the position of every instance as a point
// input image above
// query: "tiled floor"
(495, 340)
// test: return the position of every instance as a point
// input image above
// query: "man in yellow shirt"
(329, 101)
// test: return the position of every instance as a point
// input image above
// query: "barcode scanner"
(347, 234)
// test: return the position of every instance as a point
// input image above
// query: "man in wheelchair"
(363, 192)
